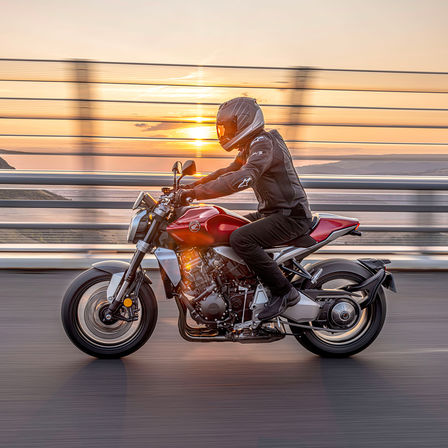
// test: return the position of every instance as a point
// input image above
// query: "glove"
(183, 197)
(188, 186)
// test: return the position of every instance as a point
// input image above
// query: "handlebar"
(169, 196)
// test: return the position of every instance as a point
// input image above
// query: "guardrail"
(117, 179)
(145, 180)
(95, 110)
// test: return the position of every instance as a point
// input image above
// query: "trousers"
(250, 240)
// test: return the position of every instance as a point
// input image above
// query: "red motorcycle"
(110, 310)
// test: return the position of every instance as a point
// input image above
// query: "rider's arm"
(259, 160)
(234, 166)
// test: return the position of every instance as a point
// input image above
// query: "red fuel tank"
(205, 226)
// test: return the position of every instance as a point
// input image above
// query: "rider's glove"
(184, 197)
(188, 186)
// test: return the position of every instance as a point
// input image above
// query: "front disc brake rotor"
(92, 322)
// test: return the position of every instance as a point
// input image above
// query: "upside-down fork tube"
(191, 334)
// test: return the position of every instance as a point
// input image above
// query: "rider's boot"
(278, 304)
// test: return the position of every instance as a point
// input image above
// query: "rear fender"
(371, 285)
(374, 265)
(373, 272)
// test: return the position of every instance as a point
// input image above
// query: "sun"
(203, 130)
(199, 132)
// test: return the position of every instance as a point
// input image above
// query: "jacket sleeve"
(259, 160)
(234, 166)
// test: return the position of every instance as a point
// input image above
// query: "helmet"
(238, 119)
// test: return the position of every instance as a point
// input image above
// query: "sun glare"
(199, 132)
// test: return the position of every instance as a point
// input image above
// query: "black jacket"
(264, 164)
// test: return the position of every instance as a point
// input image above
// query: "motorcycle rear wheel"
(339, 273)
(83, 303)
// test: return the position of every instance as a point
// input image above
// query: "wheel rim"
(363, 324)
(90, 305)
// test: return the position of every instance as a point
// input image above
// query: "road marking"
(414, 352)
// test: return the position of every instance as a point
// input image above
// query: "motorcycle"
(110, 310)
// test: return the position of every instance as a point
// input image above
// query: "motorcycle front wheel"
(337, 274)
(82, 307)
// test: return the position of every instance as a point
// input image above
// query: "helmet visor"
(220, 130)
(226, 131)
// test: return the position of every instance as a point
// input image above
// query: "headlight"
(138, 226)
(144, 200)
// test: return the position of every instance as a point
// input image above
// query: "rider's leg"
(255, 216)
(248, 242)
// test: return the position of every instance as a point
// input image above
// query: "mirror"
(177, 167)
(189, 168)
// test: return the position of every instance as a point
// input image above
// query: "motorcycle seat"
(304, 240)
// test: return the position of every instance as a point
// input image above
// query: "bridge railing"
(76, 107)
(89, 115)
(418, 185)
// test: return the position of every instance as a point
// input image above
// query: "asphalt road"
(177, 394)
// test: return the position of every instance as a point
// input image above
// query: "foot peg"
(316, 276)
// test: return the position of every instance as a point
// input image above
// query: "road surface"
(177, 394)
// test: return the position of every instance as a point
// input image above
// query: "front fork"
(143, 247)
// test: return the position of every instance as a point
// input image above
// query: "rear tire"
(80, 312)
(341, 345)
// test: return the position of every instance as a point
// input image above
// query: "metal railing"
(95, 110)
(295, 87)
(398, 183)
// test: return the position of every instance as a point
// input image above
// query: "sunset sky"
(399, 35)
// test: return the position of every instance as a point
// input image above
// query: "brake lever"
(188, 200)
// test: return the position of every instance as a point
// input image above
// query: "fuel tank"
(205, 226)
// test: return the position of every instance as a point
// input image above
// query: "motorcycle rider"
(265, 164)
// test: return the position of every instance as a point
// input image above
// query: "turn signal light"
(127, 303)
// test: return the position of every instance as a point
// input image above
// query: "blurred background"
(356, 90)
(99, 98)
(385, 131)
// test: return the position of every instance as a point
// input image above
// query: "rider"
(265, 164)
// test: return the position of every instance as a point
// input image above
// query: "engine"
(234, 284)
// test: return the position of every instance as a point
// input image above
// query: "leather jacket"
(265, 164)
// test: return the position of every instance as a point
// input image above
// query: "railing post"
(300, 81)
(81, 70)
(425, 220)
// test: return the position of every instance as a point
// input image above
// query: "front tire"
(81, 310)
(337, 273)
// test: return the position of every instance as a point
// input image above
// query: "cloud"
(165, 126)
(169, 126)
